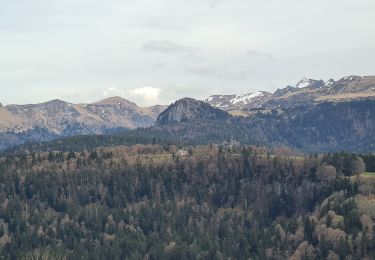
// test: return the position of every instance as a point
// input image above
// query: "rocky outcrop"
(188, 109)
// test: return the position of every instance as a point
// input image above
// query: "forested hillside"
(194, 202)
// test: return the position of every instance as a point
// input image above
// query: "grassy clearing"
(366, 204)
(368, 175)
(364, 178)
(155, 159)
(238, 113)
(166, 158)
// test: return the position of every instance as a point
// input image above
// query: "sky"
(156, 51)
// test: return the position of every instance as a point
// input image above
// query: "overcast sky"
(156, 51)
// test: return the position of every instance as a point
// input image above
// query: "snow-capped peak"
(305, 82)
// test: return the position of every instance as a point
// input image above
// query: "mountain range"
(306, 91)
(56, 118)
(262, 115)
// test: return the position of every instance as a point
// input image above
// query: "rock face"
(188, 109)
(57, 118)
(306, 91)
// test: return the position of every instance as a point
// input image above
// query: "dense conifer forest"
(187, 202)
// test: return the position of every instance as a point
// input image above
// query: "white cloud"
(144, 96)
(149, 94)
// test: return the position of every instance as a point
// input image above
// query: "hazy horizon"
(154, 52)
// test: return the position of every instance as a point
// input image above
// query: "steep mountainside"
(39, 122)
(307, 91)
(188, 109)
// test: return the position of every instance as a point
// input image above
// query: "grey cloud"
(166, 47)
(223, 72)
(159, 24)
(253, 53)
(215, 3)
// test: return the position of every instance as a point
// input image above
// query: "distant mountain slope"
(39, 122)
(306, 91)
(8, 121)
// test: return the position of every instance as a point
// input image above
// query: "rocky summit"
(187, 109)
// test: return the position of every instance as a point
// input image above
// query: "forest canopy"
(193, 202)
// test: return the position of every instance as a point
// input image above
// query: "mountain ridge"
(58, 118)
(306, 91)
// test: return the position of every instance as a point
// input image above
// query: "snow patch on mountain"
(238, 101)
(245, 98)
